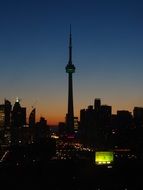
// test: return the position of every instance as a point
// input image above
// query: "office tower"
(18, 115)
(5, 122)
(32, 124)
(2, 116)
(138, 116)
(5, 112)
(124, 119)
(70, 69)
(76, 124)
(105, 115)
(18, 121)
(97, 104)
(8, 107)
(32, 118)
(42, 131)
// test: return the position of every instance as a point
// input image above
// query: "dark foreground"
(73, 174)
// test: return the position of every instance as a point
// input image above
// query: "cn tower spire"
(70, 47)
(70, 69)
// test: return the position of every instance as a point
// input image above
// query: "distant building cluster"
(15, 129)
(99, 127)
(96, 127)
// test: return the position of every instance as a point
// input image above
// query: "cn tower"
(70, 69)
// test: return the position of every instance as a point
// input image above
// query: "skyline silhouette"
(34, 111)
(107, 40)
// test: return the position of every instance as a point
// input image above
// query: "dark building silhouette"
(2, 122)
(76, 124)
(5, 119)
(62, 129)
(18, 121)
(42, 130)
(2, 116)
(8, 108)
(5, 114)
(97, 104)
(70, 69)
(122, 125)
(32, 124)
(106, 112)
(88, 125)
(99, 127)
(138, 116)
(23, 116)
(32, 118)
(124, 119)
(95, 123)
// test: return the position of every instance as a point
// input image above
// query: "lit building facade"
(5, 115)
(2, 116)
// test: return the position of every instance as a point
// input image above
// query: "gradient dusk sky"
(107, 52)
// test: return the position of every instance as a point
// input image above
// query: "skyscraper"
(8, 107)
(18, 122)
(70, 69)
(2, 116)
(5, 114)
(32, 119)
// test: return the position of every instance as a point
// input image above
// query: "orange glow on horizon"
(54, 116)
(51, 120)
(55, 119)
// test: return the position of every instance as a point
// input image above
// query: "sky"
(107, 38)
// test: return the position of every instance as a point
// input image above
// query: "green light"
(104, 157)
(70, 68)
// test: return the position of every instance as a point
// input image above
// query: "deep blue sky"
(107, 52)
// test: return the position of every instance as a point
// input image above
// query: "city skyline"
(107, 52)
